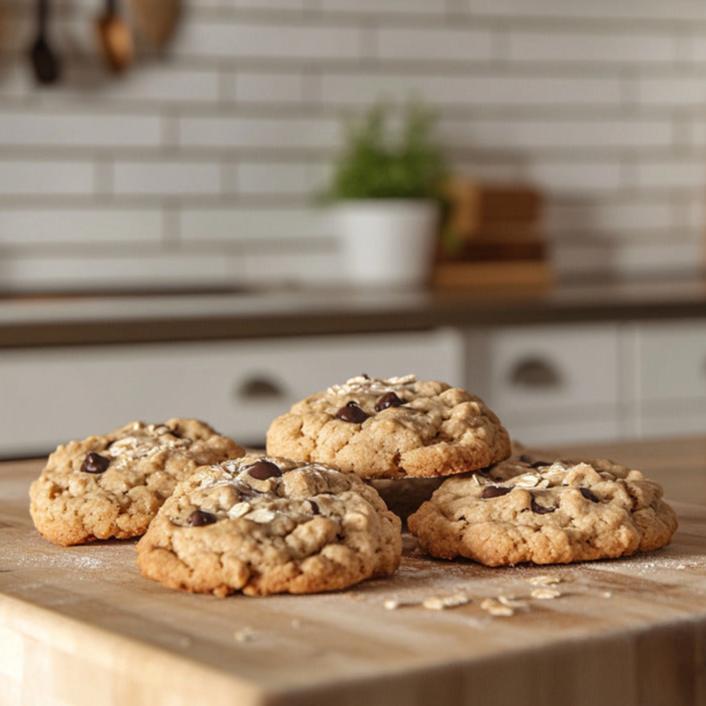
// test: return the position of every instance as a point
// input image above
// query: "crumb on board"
(443, 602)
(245, 634)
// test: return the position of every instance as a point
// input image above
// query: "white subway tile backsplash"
(671, 173)
(283, 178)
(210, 155)
(79, 129)
(670, 91)
(257, 225)
(572, 178)
(592, 47)
(607, 10)
(400, 8)
(434, 44)
(87, 86)
(266, 87)
(481, 92)
(166, 178)
(23, 177)
(119, 269)
(272, 133)
(554, 134)
(54, 226)
(268, 41)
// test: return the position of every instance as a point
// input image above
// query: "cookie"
(263, 525)
(528, 510)
(391, 428)
(112, 485)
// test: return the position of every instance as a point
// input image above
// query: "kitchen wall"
(199, 167)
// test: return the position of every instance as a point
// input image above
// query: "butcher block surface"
(80, 626)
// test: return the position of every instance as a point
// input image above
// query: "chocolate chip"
(314, 508)
(589, 495)
(95, 463)
(389, 399)
(494, 491)
(352, 413)
(199, 518)
(524, 458)
(262, 470)
(540, 509)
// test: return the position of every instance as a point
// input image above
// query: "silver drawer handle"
(535, 373)
(260, 388)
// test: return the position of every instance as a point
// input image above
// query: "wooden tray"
(79, 626)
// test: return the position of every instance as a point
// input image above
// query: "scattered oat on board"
(545, 594)
(495, 607)
(544, 580)
(512, 602)
(443, 602)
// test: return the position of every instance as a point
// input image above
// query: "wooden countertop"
(79, 626)
(67, 320)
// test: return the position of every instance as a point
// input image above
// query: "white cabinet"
(550, 384)
(66, 393)
(670, 377)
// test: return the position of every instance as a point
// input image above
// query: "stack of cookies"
(308, 516)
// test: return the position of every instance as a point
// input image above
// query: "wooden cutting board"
(80, 627)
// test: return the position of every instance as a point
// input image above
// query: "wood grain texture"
(79, 626)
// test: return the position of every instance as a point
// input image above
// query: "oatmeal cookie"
(263, 525)
(528, 510)
(112, 485)
(391, 428)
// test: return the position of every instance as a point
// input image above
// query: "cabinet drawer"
(671, 359)
(548, 369)
(60, 394)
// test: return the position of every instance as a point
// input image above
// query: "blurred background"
(198, 216)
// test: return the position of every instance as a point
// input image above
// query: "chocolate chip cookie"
(264, 525)
(391, 428)
(112, 485)
(529, 510)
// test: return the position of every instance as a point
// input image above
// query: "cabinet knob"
(535, 373)
(261, 389)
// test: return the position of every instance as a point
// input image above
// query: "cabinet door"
(550, 384)
(52, 395)
(671, 359)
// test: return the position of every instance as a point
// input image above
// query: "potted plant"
(386, 194)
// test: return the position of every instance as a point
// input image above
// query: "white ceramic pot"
(388, 242)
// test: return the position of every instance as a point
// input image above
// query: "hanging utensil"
(45, 62)
(156, 20)
(115, 38)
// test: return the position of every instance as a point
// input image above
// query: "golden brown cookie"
(112, 485)
(526, 510)
(391, 428)
(264, 525)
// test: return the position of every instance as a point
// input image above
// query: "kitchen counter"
(68, 320)
(79, 625)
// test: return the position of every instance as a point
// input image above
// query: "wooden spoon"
(114, 38)
(45, 63)
(156, 20)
